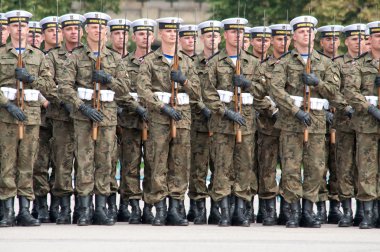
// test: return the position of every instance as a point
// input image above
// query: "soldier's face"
(50, 35)
(92, 31)
(368, 45)
(257, 44)
(374, 39)
(278, 43)
(301, 36)
(247, 43)
(231, 37)
(352, 44)
(328, 44)
(13, 31)
(70, 33)
(206, 39)
(187, 43)
(168, 36)
(4, 34)
(117, 38)
(37, 39)
(140, 38)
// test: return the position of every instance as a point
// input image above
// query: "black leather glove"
(67, 107)
(241, 81)
(304, 117)
(171, 112)
(91, 113)
(142, 112)
(15, 111)
(99, 76)
(310, 79)
(177, 76)
(206, 112)
(329, 118)
(377, 81)
(375, 112)
(349, 111)
(233, 116)
(23, 75)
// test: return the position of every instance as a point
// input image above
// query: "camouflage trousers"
(346, 165)
(94, 158)
(200, 161)
(329, 189)
(233, 172)
(17, 159)
(131, 155)
(115, 158)
(268, 155)
(293, 154)
(169, 161)
(367, 160)
(63, 157)
(42, 183)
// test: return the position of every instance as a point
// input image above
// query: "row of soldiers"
(230, 111)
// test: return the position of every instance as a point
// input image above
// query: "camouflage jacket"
(360, 83)
(77, 72)
(3, 99)
(221, 69)
(37, 66)
(286, 80)
(154, 76)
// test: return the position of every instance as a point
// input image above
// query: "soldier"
(49, 34)
(119, 35)
(20, 123)
(94, 127)
(4, 29)
(288, 83)
(247, 38)
(187, 39)
(35, 34)
(362, 90)
(232, 160)
(200, 139)
(132, 126)
(330, 43)
(367, 44)
(62, 143)
(168, 146)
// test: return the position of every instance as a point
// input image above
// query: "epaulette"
(212, 56)
(264, 60)
(361, 55)
(283, 55)
(337, 57)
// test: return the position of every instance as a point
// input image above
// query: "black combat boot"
(42, 209)
(358, 213)
(214, 217)
(8, 214)
(346, 220)
(1, 209)
(161, 213)
(65, 214)
(321, 215)
(54, 208)
(84, 218)
(232, 201)
(249, 211)
(378, 218)
(225, 218)
(294, 215)
(367, 222)
(271, 213)
(100, 214)
(24, 218)
(76, 209)
(135, 217)
(201, 217)
(34, 211)
(147, 216)
(239, 218)
(175, 217)
(192, 211)
(261, 212)
(375, 212)
(182, 209)
(308, 220)
(284, 215)
(123, 215)
(112, 207)
(334, 212)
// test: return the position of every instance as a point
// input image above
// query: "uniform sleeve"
(44, 81)
(352, 90)
(329, 86)
(193, 86)
(211, 96)
(258, 91)
(53, 95)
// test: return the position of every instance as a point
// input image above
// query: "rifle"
(360, 40)
(19, 84)
(96, 97)
(307, 91)
(174, 92)
(144, 133)
(124, 33)
(332, 110)
(237, 93)
(210, 133)
(262, 44)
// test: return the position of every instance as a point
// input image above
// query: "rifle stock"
(307, 91)
(20, 86)
(144, 132)
(96, 96)
(237, 96)
(174, 91)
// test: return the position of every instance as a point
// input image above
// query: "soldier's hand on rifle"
(240, 81)
(375, 112)
(66, 106)
(234, 116)
(91, 113)
(329, 117)
(303, 117)
(15, 111)
(99, 76)
(310, 79)
(177, 76)
(171, 112)
(349, 111)
(142, 112)
(23, 75)
(377, 81)
(206, 112)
